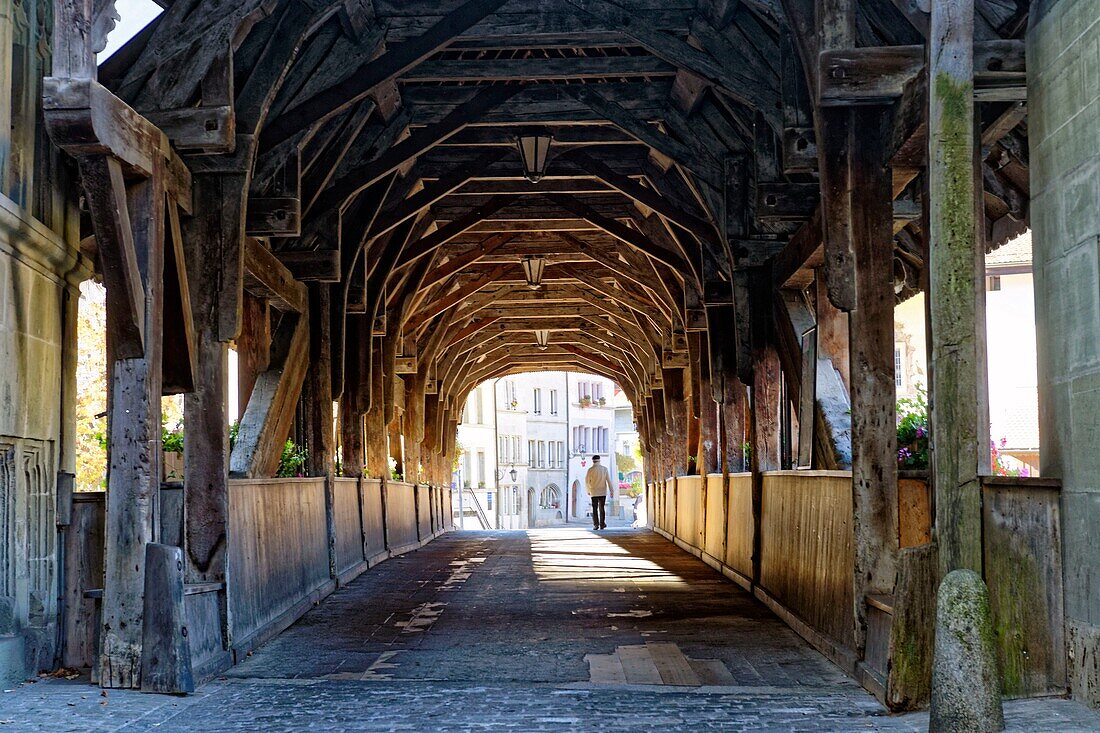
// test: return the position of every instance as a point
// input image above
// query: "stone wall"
(1063, 57)
(39, 271)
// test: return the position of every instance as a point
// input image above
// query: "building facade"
(591, 418)
(41, 266)
(547, 446)
(527, 441)
(1010, 352)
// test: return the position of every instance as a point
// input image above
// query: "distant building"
(1011, 352)
(626, 438)
(527, 441)
(547, 446)
(591, 416)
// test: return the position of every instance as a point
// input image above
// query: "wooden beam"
(377, 72)
(623, 233)
(427, 245)
(433, 192)
(451, 299)
(459, 262)
(85, 118)
(274, 216)
(321, 265)
(267, 418)
(268, 278)
(613, 112)
(179, 363)
(647, 197)
(105, 190)
(421, 140)
(538, 69)
(870, 75)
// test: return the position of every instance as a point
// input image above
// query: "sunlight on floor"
(582, 557)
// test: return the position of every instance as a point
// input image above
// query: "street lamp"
(533, 149)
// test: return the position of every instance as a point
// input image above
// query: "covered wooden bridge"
(381, 204)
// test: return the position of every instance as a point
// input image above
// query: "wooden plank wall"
(423, 512)
(1021, 529)
(689, 509)
(668, 507)
(278, 556)
(349, 528)
(278, 552)
(651, 505)
(714, 532)
(374, 520)
(806, 557)
(806, 549)
(401, 524)
(739, 525)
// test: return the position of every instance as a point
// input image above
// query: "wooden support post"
(694, 377)
(957, 438)
(351, 417)
(253, 347)
(397, 452)
(676, 425)
(377, 451)
(733, 430)
(414, 413)
(873, 392)
(134, 454)
(319, 376)
(708, 414)
(765, 404)
(206, 449)
(832, 330)
(269, 415)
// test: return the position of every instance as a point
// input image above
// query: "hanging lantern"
(542, 338)
(533, 267)
(533, 150)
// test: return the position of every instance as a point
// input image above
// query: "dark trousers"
(599, 512)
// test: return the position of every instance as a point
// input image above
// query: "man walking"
(598, 483)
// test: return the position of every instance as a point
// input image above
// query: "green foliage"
(913, 431)
(293, 460)
(171, 439)
(460, 450)
(234, 429)
(625, 463)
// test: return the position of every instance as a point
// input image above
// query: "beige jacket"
(597, 481)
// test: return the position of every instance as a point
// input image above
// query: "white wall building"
(626, 433)
(477, 436)
(544, 393)
(591, 419)
(1011, 352)
(527, 441)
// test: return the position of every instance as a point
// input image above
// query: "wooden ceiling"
(377, 144)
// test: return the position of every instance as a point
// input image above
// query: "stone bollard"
(966, 688)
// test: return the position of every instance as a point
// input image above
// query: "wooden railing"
(291, 543)
(803, 570)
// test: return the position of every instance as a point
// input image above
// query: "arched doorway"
(531, 506)
(575, 495)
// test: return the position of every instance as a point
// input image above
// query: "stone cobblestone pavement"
(488, 632)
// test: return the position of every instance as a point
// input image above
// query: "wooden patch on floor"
(655, 663)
